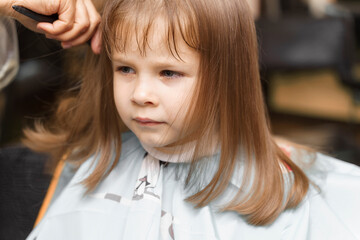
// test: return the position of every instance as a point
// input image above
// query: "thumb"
(64, 8)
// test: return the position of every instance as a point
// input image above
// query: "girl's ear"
(96, 41)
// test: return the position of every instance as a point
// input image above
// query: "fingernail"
(66, 45)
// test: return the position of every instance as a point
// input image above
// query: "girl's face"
(153, 90)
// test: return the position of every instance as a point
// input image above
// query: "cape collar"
(179, 154)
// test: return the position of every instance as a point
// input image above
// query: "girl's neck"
(185, 152)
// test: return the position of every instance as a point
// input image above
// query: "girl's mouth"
(147, 121)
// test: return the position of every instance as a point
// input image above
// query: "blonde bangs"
(125, 21)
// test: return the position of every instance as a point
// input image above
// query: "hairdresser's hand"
(78, 20)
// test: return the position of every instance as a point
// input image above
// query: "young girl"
(199, 161)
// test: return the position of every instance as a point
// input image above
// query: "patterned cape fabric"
(143, 198)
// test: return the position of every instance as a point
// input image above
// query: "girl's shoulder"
(66, 172)
(334, 197)
(331, 208)
(130, 144)
(313, 162)
(334, 194)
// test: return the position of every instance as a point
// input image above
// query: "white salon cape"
(142, 199)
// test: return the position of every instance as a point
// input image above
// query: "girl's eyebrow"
(117, 59)
(120, 60)
(166, 63)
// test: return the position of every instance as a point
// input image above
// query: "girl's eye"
(170, 74)
(125, 70)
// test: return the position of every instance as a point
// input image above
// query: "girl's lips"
(147, 121)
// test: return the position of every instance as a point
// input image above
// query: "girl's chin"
(155, 139)
(153, 143)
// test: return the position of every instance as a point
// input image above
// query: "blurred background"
(310, 68)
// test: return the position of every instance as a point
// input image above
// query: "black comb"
(36, 16)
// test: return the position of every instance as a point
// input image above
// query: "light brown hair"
(228, 99)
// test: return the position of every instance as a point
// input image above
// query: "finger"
(66, 11)
(96, 41)
(94, 23)
(96, 35)
(38, 6)
(80, 27)
(80, 40)
(86, 36)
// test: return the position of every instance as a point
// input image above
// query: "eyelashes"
(125, 70)
(164, 73)
(171, 74)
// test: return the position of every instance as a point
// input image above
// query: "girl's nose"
(143, 93)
